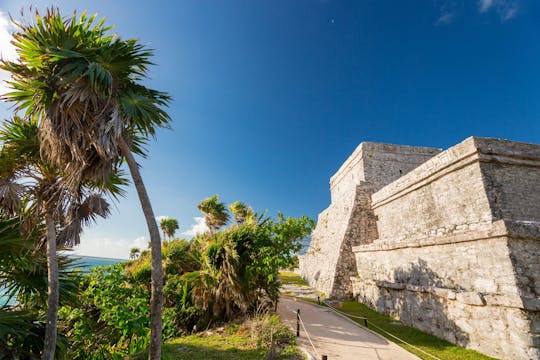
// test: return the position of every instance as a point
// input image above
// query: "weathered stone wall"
(458, 248)
(349, 220)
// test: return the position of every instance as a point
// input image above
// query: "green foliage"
(18, 335)
(82, 86)
(239, 266)
(270, 331)
(169, 227)
(180, 257)
(23, 274)
(215, 212)
(79, 59)
(112, 320)
(134, 253)
(241, 211)
(249, 340)
(215, 277)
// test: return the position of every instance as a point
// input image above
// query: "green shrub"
(112, 320)
(216, 277)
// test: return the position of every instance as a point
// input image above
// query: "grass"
(442, 349)
(290, 278)
(217, 346)
(231, 342)
(427, 342)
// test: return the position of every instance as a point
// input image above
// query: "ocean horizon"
(95, 261)
(85, 263)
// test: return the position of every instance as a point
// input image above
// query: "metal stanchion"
(298, 323)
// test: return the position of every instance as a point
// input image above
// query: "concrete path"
(336, 336)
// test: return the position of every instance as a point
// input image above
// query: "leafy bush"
(215, 277)
(112, 319)
(272, 336)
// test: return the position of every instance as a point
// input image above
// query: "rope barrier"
(403, 341)
(343, 313)
(309, 338)
(307, 333)
(384, 331)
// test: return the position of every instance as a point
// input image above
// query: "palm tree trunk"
(156, 300)
(53, 295)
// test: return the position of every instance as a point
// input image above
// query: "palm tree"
(134, 253)
(215, 213)
(169, 227)
(23, 273)
(85, 87)
(64, 211)
(241, 211)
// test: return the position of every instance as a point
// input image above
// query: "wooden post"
(298, 323)
(365, 322)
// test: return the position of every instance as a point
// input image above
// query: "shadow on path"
(335, 336)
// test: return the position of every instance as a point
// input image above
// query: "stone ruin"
(445, 241)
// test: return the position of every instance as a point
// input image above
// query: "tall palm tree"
(241, 211)
(84, 84)
(169, 227)
(215, 213)
(134, 253)
(64, 211)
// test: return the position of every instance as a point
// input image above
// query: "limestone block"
(471, 298)
(485, 285)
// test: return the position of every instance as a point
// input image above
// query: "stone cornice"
(481, 231)
(366, 147)
(469, 151)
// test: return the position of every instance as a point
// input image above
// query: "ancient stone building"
(446, 241)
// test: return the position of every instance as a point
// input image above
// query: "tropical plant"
(15, 325)
(213, 278)
(134, 253)
(48, 203)
(215, 213)
(23, 275)
(84, 85)
(111, 320)
(239, 266)
(169, 227)
(241, 211)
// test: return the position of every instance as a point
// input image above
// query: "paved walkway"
(336, 336)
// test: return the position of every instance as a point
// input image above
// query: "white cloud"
(116, 249)
(198, 228)
(507, 9)
(161, 217)
(509, 12)
(7, 50)
(446, 18)
(449, 10)
(485, 5)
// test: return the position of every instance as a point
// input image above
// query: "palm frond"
(84, 84)
(80, 215)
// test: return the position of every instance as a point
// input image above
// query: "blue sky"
(270, 97)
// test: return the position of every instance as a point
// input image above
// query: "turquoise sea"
(85, 263)
(89, 262)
